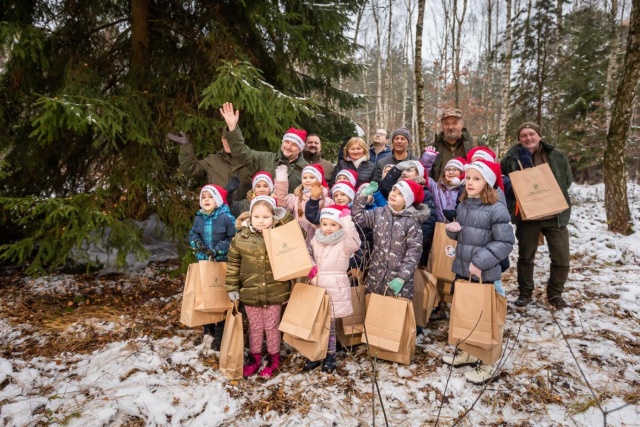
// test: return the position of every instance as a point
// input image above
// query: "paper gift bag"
(407, 340)
(349, 329)
(211, 294)
(442, 254)
(232, 345)
(493, 354)
(471, 314)
(419, 293)
(317, 349)
(431, 295)
(304, 316)
(287, 251)
(189, 316)
(537, 192)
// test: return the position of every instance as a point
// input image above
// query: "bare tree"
(615, 183)
(422, 126)
(506, 83)
(379, 105)
(616, 42)
(388, 70)
(456, 36)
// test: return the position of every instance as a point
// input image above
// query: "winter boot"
(272, 366)
(252, 365)
(206, 343)
(217, 336)
(329, 363)
(311, 366)
(482, 374)
(523, 300)
(558, 303)
(461, 358)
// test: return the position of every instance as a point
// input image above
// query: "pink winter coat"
(295, 203)
(333, 262)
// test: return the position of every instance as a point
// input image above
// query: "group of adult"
(299, 148)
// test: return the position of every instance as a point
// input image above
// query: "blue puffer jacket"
(215, 230)
(486, 238)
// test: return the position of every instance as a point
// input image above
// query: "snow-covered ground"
(134, 364)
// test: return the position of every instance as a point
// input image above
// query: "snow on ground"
(132, 371)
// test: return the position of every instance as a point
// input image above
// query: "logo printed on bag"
(284, 245)
(535, 187)
(450, 251)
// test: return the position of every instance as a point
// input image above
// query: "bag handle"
(520, 164)
(384, 293)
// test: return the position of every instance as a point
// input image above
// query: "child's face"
(307, 180)
(340, 198)
(261, 189)
(342, 178)
(475, 183)
(396, 199)
(261, 217)
(207, 201)
(329, 226)
(450, 173)
(410, 173)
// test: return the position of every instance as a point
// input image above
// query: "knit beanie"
(298, 136)
(529, 125)
(263, 176)
(267, 199)
(402, 131)
(344, 187)
(218, 193)
(411, 191)
(317, 171)
(350, 174)
(481, 152)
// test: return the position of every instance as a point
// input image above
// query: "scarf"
(331, 239)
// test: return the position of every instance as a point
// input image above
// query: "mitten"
(396, 285)
(370, 189)
(232, 184)
(234, 296)
(180, 138)
(453, 227)
(282, 173)
(201, 246)
(525, 158)
(431, 150)
(313, 272)
(449, 214)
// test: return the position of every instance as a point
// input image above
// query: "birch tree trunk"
(457, 48)
(506, 84)
(379, 107)
(387, 75)
(422, 126)
(612, 69)
(615, 183)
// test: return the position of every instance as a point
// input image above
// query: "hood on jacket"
(421, 212)
(244, 217)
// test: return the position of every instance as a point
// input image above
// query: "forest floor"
(89, 350)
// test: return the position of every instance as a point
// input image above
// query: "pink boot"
(252, 365)
(271, 368)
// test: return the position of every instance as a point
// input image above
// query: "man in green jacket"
(532, 151)
(453, 141)
(290, 152)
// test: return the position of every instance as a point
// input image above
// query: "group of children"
(381, 228)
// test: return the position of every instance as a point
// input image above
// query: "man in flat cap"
(453, 141)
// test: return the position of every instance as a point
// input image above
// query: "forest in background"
(89, 91)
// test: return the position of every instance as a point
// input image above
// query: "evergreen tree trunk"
(140, 55)
(422, 126)
(506, 84)
(615, 184)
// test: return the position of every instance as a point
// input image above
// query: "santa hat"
(263, 176)
(317, 171)
(332, 212)
(411, 191)
(296, 135)
(481, 152)
(267, 199)
(490, 171)
(416, 164)
(218, 193)
(346, 188)
(350, 174)
(458, 163)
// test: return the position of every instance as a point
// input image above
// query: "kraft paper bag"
(431, 295)
(287, 251)
(419, 293)
(407, 345)
(188, 315)
(349, 329)
(442, 254)
(232, 345)
(211, 294)
(493, 354)
(304, 315)
(537, 192)
(317, 349)
(471, 314)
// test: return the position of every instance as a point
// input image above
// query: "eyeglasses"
(452, 170)
(379, 134)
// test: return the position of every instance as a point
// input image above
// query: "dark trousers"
(558, 241)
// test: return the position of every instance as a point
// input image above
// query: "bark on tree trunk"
(506, 84)
(140, 55)
(388, 71)
(422, 126)
(615, 184)
(612, 69)
(379, 109)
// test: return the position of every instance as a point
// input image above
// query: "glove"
(475, 271)
(449, 214)
(282, 173)
(453, 227)
(211, 253)
(232, 184)
(525, 158)
(201, 246)
(313, 273)
(403, 166)
(431, 150)
(316, 190)
(370, 189)
(234, 296)
(396, 285)
(180, 138)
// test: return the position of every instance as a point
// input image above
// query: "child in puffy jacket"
(211, 234)
(485, 236)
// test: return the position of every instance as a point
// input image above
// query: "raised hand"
(316, 190)
(180, 138)
(230, 117)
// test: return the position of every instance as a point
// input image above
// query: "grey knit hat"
(402, 131)
(529, 125)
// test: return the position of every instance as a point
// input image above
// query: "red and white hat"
(298, 136)
(218, 193)
(458, 163)
(267, 199)
(346, 188)
(332, 212)
(490, 171)
(411, 191)
(263, 176)
(350, 174)
(316, 170)
(481, 153)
